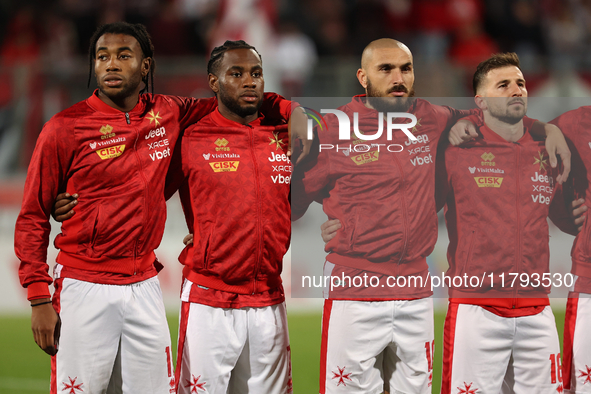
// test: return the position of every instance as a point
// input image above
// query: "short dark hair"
(139, 32)
(218, 52)
(498, 60)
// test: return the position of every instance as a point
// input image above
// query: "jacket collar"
(490, 135)
(220, 120)
(95, 102)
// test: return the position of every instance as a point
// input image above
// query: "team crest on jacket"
(277, 141)
(487, 159)
(72, 386)
(154, 117)
(415, 129)
(542, 160)
(222, 144)
(106, 132)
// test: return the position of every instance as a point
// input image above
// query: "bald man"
(378, 335)
(377, 328)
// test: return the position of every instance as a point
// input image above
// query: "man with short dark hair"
(500, 335)
(233, 334)
(114, 150)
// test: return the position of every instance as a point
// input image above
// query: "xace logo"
(345, 128)
(545, 187)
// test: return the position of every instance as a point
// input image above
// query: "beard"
(381, 103)
(234, 106)
(508, 115)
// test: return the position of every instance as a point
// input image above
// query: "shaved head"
(382, 43)
(387, 75)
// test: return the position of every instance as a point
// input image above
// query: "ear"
(214, 83)
(481, 102)
(362, 78)
(146, 64)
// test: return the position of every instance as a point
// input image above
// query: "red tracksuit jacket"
(117, 162)
(236, 202)
(497, 201)
(384, 200)
(576, 126)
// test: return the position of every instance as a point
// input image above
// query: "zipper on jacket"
(127, 119)
(517, 204)
(259, 209)
(135, 146)
(405, 231)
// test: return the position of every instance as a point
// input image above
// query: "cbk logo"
(345, 125)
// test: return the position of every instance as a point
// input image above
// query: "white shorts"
(114, 339)
(487, 354)
(223, 350)
(577, 344)
(369, 346)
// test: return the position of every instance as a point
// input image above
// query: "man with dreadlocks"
(235, 193)
(114, 149)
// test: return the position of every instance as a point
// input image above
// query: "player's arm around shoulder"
(556, 145)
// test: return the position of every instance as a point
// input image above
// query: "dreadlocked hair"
(139, 32)
(218, 53)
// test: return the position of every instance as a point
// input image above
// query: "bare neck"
(125, 104)
(510, 132)
(226, 113)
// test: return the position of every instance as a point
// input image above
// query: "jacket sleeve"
(454, 115)
(193, 110)
(560, 209)
(441, 175)
(309, 180)
(174, 175)
(276, 107)
(46, 178)
(576, 184)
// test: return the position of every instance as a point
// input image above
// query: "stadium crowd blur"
(309, 47)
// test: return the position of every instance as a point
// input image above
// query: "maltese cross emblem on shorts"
(195, 385)
(586, 375)
(341, 376)
(72, 386)
(467, 389)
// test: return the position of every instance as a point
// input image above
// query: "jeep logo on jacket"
(498, 198)
(236, 203)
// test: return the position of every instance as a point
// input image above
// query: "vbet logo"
(345, 130)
